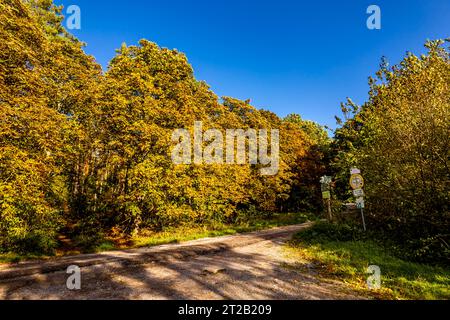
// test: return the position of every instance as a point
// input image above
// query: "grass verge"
(185, 233)
(172, 235)
(337, 253)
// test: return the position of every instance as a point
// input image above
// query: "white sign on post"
(325, 179)
(357, 183)
(325, 185)
(360, 203)
(358, 193)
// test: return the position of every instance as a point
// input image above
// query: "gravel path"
(249, 266)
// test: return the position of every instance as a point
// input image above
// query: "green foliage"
(325, 231)
(343, 253)
(400, 140)
(83, 152)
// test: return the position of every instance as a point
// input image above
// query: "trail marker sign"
(360, 203)
(325, 182)
(356, 181)
(358, 193)
(325, 186)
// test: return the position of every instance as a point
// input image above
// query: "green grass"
(175, 235)
(11, 257)
(185, 233)
(348, 260)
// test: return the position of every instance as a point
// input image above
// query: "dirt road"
(247, 266)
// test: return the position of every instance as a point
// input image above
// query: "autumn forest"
(86, 153)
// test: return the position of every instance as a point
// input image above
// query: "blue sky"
(300, 57)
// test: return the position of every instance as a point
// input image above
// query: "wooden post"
(330, 217)
(325, 187)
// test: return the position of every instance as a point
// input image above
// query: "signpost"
(360, 203)
(358, 193)
(357, 183)
(325, 186)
